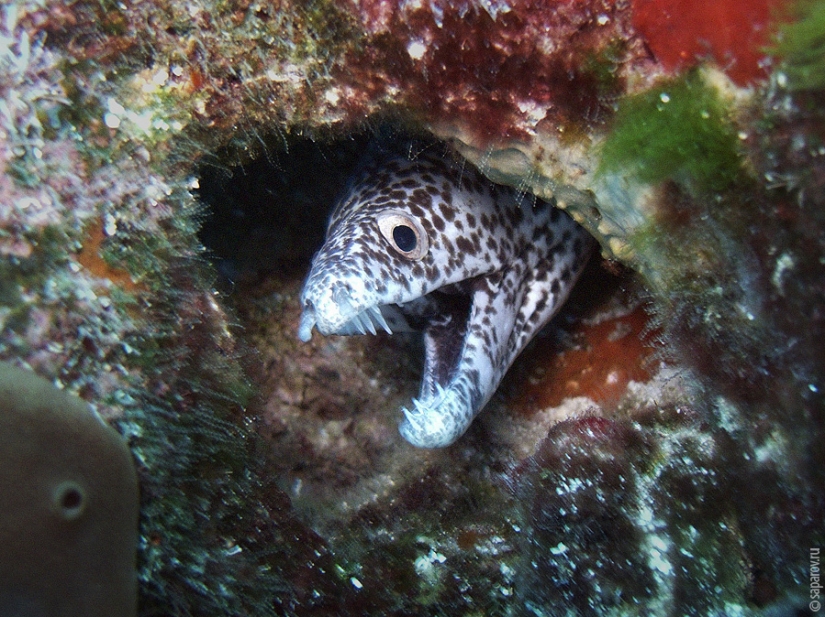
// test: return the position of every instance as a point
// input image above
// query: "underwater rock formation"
(70, 505)
(692, 153)
(497, 70)
(658, 511)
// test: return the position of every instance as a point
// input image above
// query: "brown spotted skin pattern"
(488, 269)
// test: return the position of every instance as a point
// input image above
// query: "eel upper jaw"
(306, 324)
(344, 319)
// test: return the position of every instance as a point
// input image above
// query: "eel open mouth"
(444, 335)
(444, 406)
(443, 318)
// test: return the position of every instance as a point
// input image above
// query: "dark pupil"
(404, 238)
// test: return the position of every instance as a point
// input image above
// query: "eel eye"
(404, 233)
(405, 238)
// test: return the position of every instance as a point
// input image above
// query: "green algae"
(677, 130)
(184, 421)
(801, 46)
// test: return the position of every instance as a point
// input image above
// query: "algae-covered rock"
(270, 480)
(68, 525)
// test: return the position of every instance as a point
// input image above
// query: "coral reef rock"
(165, 172)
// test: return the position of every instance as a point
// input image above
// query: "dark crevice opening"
(268, 215)
(265, 218)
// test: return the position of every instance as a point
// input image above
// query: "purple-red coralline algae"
(503, 69)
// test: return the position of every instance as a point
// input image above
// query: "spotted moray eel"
(430, 244)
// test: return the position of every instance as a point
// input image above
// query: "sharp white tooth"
(412, 417)
(379, 319)
(370, 324)
(372, 318)
(414, 412)
(354, 326)
(365, 323)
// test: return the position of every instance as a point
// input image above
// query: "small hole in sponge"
(69, 500)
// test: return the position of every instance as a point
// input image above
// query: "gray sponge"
(68, 506)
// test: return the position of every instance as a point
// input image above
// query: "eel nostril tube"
(307, 323)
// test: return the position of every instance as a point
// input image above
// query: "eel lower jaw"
(436, 422)
(445, 406)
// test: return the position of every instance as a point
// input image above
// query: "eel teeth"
(419, 407)
(365, 322)
(378, 318)
(413, 415)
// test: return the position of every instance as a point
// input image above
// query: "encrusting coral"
(691, 149)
